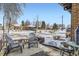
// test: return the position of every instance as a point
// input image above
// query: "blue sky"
(49, 12)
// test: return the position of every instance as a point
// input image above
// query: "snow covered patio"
(40, 51)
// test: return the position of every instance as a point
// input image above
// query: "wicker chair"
(33, 40)
(66, 48)
(11, 44)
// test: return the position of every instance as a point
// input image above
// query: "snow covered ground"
(48, 36)
(49, 40)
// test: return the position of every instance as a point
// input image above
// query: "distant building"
(37, 24)
(29, 27)
(16, 27)
(60, 26)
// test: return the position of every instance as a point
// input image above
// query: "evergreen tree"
(22, 23)
(43, 25)
(55, 27)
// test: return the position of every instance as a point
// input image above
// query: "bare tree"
(27, 22)
(11, 12)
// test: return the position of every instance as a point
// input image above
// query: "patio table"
(75, 47)
(20, 39)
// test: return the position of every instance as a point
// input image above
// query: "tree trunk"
(9, 25)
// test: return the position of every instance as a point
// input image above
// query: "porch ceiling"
(67, 6)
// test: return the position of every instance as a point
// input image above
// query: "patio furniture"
(65, 48)
(41, 40)
(52, 43)
(75, 47)
(22, 38)
(11, 44)
(33, 40)
(56, 37)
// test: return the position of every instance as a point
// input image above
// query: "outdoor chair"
(33, 40)
(11, 44)
(41, 40)
(65, 48)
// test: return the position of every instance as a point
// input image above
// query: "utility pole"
(62, 22)
(37, 22)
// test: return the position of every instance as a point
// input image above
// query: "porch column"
(74, 19)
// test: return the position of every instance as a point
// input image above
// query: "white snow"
(49, 40)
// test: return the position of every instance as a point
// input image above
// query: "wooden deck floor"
(40, 51)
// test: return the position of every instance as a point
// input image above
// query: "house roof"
(30, 26)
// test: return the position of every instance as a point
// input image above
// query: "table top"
(73, 44)
(19, 37)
